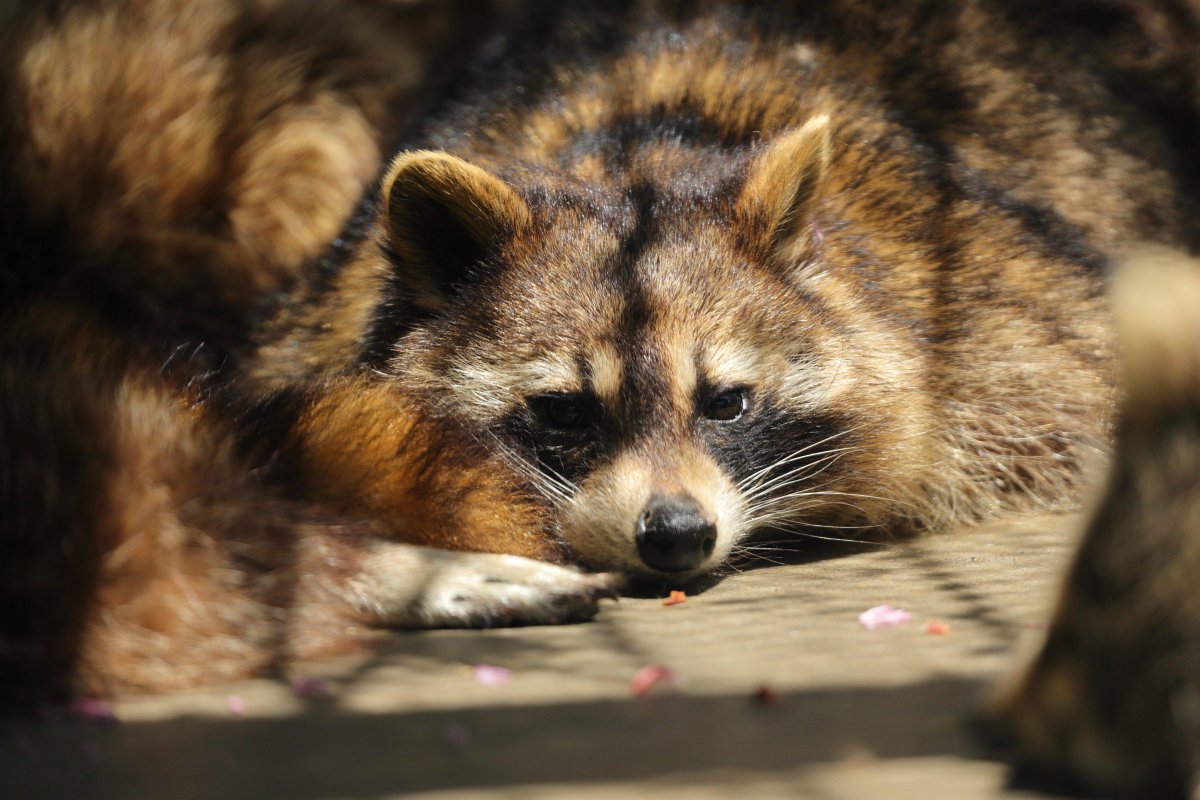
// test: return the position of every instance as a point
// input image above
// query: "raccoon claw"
(480, 590)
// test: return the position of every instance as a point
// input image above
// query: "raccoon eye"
(727, 406)
(564, 412)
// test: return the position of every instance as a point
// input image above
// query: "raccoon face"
(671, 364)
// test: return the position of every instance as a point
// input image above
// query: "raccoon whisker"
(558, 479)
(894, 500)
(756, 555)
(761, 474)
(808, 535)
(758, 550)
(552, 483)
(793, 476)
(728, 568)
(162, 370)
(775, 510)
(835, 528)
(809, 460)
(787, 506)
(767, 547)
(546, 485)
(819, 489)
(793, 456)
(549, 483)
(786, 501)
(797, 454)
(796, 475)
(839, 539)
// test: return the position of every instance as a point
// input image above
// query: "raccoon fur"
(700, 270)
(166, 169)
(645, 279)
(1112, 701)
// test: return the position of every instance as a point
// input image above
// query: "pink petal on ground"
(488, 675)
(236, 704)
(882, 616)
(649, 677)
(311, 688)
(90, 709)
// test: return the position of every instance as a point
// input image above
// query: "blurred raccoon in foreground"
(646, 279)
(1112, 702)
(166, 170)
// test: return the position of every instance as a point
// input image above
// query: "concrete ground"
(849, 712)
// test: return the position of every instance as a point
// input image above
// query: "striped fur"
(883, 233)
(890, 229)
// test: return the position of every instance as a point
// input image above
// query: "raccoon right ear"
(444, 214)
(783, 187)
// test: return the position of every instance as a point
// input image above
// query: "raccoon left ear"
(444, 214)
(783, 187)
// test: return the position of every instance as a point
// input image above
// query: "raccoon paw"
(477, 590)
(483, 591)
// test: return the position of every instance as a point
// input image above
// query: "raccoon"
(645, 279)
(1112, 701)
(702, 270)
(165, 170)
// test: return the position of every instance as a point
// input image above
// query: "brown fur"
(1112, 701)
(147, 538)
(170, 562)
(883, 235)
(915, 211)
(363, 449)
(166, 168)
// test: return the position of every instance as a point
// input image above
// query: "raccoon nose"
(673, 534)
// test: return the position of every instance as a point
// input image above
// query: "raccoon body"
(165, 170)
(699, 270)
(647, 278)
(1111, 703)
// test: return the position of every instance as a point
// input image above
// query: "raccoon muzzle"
(674, 534)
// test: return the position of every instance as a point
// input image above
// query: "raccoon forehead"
(692, 358)
(496, 386)
(739, 361)
(807, 379)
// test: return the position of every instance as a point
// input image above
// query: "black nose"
(673, 534)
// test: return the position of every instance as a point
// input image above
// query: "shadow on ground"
(853, 713)
(331, 753)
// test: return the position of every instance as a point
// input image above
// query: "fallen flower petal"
(881, 616)
(311, 688)
(236, 704)
(650, 676)
(90, 709)
(488, 675)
